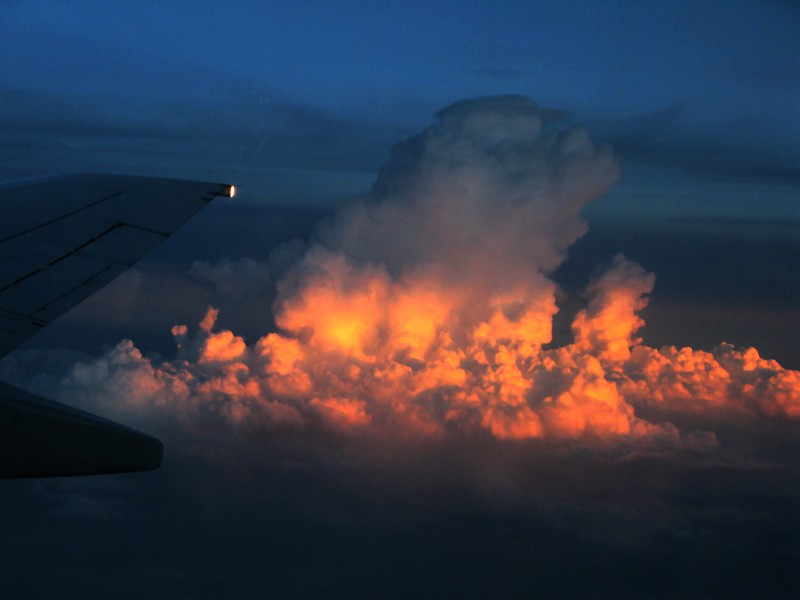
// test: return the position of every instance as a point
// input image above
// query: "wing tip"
(226, 191)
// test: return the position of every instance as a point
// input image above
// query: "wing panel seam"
(59, 218)
(86, 281)
(76, 250)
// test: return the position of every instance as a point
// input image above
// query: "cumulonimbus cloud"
(425, 308)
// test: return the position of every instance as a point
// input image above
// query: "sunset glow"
(426, 309)
(542, 343)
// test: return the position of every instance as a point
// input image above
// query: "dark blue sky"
(301, 101)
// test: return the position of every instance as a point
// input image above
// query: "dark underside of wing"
(42, 438)
(62, 239)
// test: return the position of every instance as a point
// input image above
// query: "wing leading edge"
(62, 239)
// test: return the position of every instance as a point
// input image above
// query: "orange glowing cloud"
(427, 383)
(426, 308)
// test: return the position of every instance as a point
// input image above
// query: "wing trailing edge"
(42, 438)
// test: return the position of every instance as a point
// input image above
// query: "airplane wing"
(61, 239)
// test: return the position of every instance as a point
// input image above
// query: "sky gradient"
(410, 359)
(305, 99)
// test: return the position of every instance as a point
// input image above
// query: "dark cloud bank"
(704, 505)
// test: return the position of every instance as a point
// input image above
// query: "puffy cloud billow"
(425, 309)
